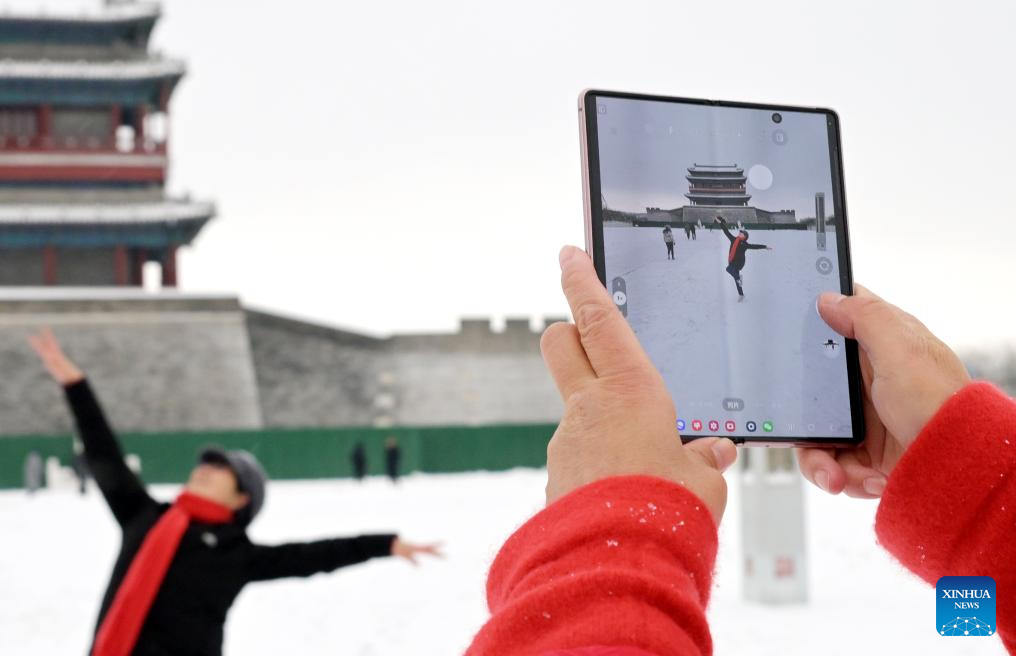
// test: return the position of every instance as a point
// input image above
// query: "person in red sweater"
(620, 561)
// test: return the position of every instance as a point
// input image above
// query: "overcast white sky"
(391, 166)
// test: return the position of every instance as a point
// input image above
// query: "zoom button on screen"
(731, 404)
(619, 292)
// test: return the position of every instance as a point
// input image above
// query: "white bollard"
(772, 527)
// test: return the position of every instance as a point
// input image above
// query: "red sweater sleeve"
(623, 564)
(949, 508)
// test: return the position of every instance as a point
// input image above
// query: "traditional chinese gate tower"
(84, 114)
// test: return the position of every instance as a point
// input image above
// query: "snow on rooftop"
(111, 12)
(106, 213)
(104, 294)
(87, 70)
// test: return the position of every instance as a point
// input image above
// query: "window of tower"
(18, 126)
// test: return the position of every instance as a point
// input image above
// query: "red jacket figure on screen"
(623, 566)
(735, 256)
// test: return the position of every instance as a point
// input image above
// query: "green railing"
(308, 453)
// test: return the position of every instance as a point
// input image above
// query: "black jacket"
(213, 561)
(738, 261)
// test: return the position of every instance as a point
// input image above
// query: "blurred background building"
(88, 245)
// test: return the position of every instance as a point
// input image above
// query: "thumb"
(716, 452)
(877, 326)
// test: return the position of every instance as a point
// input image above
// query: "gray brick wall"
(171, 362)
(173, 365)
(310, 375)
(313, 376)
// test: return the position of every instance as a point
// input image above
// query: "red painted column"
(49, 263)
(120, 265)
(45, 118)
(138, 270)
(139, 123)
(169, 268)
(164, 92)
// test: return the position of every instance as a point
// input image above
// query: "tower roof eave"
(104, 214)
(83, 70)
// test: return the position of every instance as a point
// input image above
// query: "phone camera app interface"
(720, 230)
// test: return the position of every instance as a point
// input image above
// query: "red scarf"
(120, 628)
(733, 248)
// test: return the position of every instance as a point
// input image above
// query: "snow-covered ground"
(57, 548)
(767, 350)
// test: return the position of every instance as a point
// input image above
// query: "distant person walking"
(735, 256)
(34, 472)
(358, 458)
(393, 454)
(668, 239)
(182, 564)
(692, 228)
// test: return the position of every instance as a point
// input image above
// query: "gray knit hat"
(250, 477)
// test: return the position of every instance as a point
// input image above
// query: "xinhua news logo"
(965, 606)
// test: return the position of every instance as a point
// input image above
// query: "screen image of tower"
(717, 235)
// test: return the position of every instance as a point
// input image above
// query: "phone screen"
(721, 225)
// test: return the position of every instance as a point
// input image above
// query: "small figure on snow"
(358, 458)
(34, 472)
(668, 239)
(393, 455)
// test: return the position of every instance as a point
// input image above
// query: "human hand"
(411, 551)
(619, 418)
(59, 366)
(907, 374)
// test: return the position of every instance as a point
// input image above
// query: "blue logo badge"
(680, 424)
(965, 606)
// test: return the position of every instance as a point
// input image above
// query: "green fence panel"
(14, 451)
(308, 453)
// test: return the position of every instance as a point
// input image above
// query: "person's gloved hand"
(907, 373)
(619, 418)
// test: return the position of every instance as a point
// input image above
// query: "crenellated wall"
(171, 362)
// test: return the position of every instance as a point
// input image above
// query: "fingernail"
(822, 479)
(724, 455)
(874, 485)
(567, 252)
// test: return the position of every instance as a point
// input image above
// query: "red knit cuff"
(622, 562)
(964, 456)
(609, 522)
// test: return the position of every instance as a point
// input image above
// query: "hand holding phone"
(908, 374)
(619, 418)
